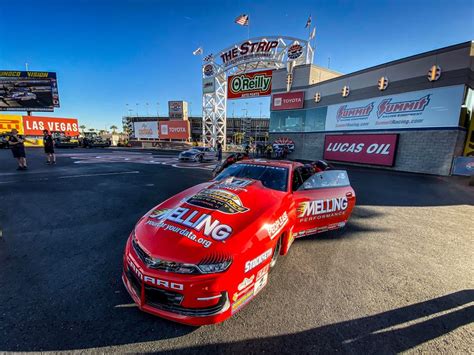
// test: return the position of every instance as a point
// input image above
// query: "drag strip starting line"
(73, 176)
(99, 174)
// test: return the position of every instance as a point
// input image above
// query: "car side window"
(326, 179)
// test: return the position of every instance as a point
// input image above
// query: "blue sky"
(110, 53)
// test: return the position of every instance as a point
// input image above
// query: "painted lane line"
(100, 174)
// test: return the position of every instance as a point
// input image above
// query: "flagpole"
(248, 26)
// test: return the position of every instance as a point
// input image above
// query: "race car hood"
(212, 220)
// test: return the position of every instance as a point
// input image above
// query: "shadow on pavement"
(381, 333)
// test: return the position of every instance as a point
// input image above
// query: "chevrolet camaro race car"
(198, 154)
(200, 256)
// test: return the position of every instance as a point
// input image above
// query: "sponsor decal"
(251, 264)
(193, 219)
(288, 101)
(319, 229)
(386, 107)
(208, 70)
(219, 200)
(245, 283)
(152, 280)
(374, 149)
(275, 228)
(208, 85)
(234, 184)
(295, 51)
(250, 84)
(260, 283)
(249, 50)
(242, 301)
(463, 166)
(354, 113)
(264, 270)
(328, 207)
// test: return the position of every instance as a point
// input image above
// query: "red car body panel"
(237, 221)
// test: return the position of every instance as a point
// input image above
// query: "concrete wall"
(420, 151)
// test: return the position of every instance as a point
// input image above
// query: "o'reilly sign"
(249, 84)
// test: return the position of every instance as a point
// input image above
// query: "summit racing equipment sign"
(439, 107)
(250, 84)
(34, 125)
(373, 149)
(247, 50)
(28, 91)
(220, 200)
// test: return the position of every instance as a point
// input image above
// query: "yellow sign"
(8, 122)
(469, 148)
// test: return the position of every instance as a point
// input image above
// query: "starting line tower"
(259, 53)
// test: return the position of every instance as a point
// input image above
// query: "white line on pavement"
(100, 174)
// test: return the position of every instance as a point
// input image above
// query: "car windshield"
(273, 177)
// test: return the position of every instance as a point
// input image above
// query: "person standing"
(17, 145)
(219, 151)
(49, 147)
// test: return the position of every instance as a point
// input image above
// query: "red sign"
(288, 101)
(34, 125)
(373, 149)
(174, 130)
(249, 84)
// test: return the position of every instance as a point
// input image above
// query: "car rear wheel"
(276, 252)
(200, 158)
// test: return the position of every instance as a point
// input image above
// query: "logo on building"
(295, 51)
(317, 97)
(345, 91)
(382, 83)
(434, 73)
(387, 107)
(363, 112)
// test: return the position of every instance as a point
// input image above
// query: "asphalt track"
(398, 278)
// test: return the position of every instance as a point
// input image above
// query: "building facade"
(409, 115)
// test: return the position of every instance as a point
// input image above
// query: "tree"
(91, 130)
(113, 128)
(82, 128)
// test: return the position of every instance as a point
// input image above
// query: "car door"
(323, 202)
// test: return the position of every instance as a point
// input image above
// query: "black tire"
(200, 159)
(276, 253)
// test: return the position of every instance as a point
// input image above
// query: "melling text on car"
(203, 254)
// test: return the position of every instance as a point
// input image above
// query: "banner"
(146, 130)
(373, 149)
(174, 130)
(463, 166)
(249, 84)
(34, 125)
(28, 91)
(178, 110)
(418, 109)
(288, 101)
(208, 85)
(8, 122)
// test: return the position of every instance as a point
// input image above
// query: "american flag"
(308, 22)
(242, 20)
(208, 57)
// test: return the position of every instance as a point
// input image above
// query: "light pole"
(158, 109)
(147, 112)
(190, 109)
(260, 103)
(137, 108)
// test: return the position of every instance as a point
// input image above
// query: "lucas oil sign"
(250, 84)
(373, 149)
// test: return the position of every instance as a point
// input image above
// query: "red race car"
(203, 254)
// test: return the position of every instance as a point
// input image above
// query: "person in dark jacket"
(219, 151)
(17, 145)
(49, 147)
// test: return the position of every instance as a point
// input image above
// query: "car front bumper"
(189, 299)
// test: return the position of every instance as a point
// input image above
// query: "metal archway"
(266, 52)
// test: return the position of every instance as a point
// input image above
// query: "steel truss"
(214, 104)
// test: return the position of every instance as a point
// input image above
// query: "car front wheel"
(276, 252)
